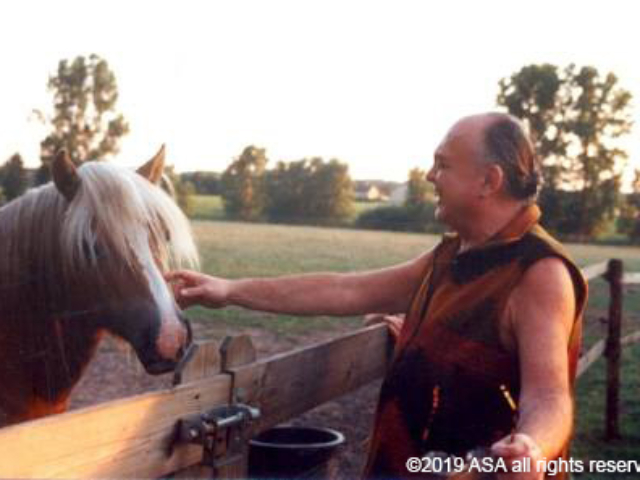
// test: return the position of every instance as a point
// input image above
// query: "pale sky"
(375, 84)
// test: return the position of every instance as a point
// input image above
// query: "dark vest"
(444, 388)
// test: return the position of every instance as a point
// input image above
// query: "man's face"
(457, 174)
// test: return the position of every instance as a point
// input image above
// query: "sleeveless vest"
(445, 387)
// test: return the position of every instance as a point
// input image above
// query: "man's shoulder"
(547, 273)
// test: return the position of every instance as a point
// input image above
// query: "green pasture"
(236, 250)
(207, 207)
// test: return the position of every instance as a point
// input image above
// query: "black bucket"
(294, 452)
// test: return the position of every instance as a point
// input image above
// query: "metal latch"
(222, 431)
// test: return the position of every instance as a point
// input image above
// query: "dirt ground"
(114, 373)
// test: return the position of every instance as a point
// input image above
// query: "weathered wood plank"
(594, 271)
(235, 352)
(129, 438)
(613, 348)
(631, 278)
(597, 351)
(204, 364)
(122, 439)
(630, 339)
(287, 385)
(586, 360)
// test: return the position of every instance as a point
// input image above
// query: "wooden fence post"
(613, 348)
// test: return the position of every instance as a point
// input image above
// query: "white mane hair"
(114, 209)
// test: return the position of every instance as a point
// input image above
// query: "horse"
(82, 256)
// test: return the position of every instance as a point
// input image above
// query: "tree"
(13, 177)
(182, 190)
(310, 191)
(419, 190)
(204, 183)
(243, 185)
(85, 121)
(575, 116)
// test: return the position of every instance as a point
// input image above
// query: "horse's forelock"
(119, 210)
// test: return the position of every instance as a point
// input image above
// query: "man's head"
(483, 162)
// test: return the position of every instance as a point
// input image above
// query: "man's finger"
(180, 275)
(515, 449)
(192, 292)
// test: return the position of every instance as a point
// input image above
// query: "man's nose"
(430, 176)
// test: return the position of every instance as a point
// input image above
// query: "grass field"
(207, 207)
(235, 250)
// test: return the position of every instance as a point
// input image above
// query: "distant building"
(398, 195)
(366, 192)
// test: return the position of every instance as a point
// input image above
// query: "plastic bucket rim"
(336, 442)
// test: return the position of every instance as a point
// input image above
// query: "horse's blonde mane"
(114, 209)
(128, 214)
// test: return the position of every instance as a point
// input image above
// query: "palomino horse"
(79, 257)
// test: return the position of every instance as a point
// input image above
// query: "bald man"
(487, 347)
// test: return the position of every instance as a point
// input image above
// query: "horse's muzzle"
(156, 365)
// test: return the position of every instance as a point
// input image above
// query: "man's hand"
(193, 288)
(517, 447)
(394, 322)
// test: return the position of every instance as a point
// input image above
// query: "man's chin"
(441, 217)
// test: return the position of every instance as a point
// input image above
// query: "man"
(493, 313)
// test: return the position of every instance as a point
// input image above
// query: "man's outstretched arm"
(385, 290)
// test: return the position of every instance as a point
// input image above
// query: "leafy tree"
(204, 183)
(310, 191)
(243, 185)
(85, 121)
(575, 115)
(13, 177)
(419, 190)
(2, 197)
(182, 190)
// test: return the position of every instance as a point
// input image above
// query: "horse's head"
(120, 234)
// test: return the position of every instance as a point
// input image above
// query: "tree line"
(576, 116)
(306, 191)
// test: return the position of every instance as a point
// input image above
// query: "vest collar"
(500, 249)
(514, 230)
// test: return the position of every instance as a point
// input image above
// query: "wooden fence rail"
(132, 437)
(611, 346)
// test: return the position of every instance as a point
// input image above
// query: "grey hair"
(508, 144)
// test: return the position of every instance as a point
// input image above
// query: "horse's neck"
(40, 366)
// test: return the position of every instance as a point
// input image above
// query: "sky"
(375, 84)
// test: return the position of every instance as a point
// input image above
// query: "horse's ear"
(65, 175)
(154, 168)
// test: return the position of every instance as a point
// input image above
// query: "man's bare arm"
(385, 290)
(542, 312)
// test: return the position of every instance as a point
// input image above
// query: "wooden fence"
(611, 346)
(136, 436)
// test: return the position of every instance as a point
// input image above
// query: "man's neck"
(486, 225)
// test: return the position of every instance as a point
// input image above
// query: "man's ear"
(494, 180)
